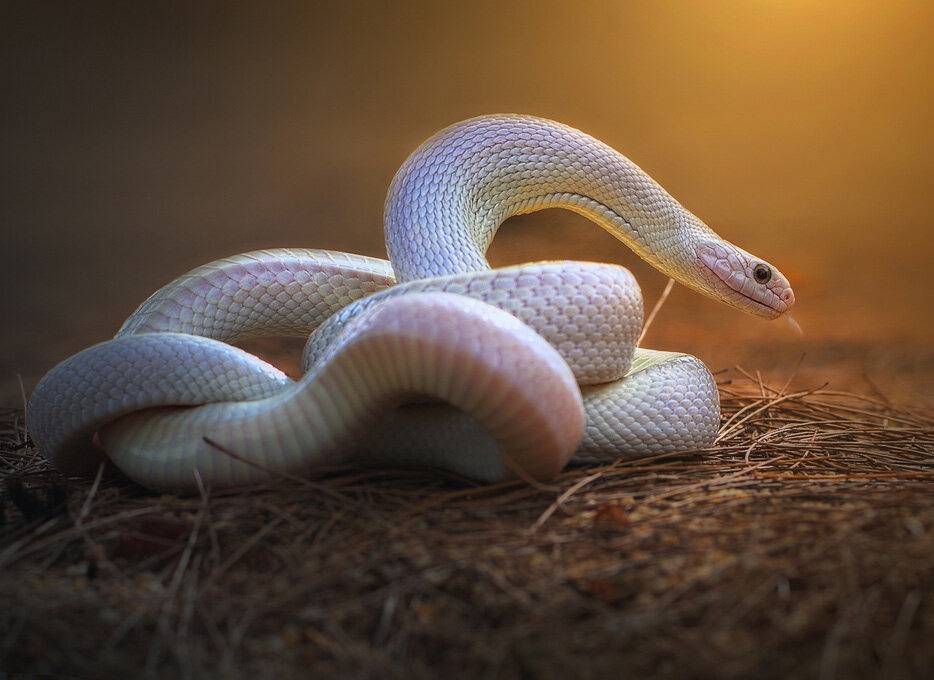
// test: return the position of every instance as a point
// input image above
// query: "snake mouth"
(730, 288)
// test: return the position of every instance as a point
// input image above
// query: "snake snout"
(742, 280)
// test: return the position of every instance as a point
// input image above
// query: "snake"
(431, 358)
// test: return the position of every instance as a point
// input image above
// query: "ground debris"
(801, 545)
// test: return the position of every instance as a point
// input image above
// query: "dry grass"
(802, 545)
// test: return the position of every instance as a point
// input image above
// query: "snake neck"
(449, 198)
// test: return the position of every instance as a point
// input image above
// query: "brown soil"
(801, 545)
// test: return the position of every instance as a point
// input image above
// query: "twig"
(561, 500)
(655, 310)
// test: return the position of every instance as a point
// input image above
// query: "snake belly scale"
(431, 358)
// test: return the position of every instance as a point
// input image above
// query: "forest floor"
(800, 545)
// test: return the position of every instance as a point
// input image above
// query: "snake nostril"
(787, 296)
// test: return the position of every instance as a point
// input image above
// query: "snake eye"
(762, 273)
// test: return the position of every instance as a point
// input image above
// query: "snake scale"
(432, 358)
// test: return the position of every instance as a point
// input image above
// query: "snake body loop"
(486, 373)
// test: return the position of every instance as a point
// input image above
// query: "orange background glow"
(140, 142)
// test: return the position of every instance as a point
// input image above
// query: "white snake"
(432, 358)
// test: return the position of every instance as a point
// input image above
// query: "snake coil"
(431, 358)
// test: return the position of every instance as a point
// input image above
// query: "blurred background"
(138, 141)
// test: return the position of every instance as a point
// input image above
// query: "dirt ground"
(802, 545)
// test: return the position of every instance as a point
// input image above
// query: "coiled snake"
(432, 358)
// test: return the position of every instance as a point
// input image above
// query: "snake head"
(738, 278)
